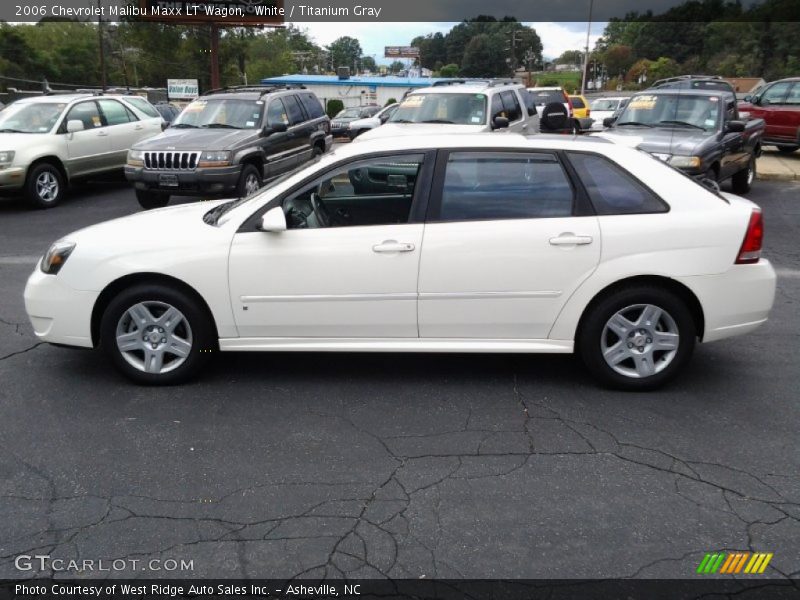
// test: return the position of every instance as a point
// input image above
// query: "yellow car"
(580, 107)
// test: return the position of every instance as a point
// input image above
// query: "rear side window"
(793, 97)
(612, 190)
(293, 107)
(115, 113)
(504, 185)
(530, 105)
(312, 106)
(511, 104)
(143, 105)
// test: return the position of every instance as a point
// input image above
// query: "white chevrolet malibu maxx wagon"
(459, 243)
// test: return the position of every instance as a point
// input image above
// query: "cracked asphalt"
(279, 465)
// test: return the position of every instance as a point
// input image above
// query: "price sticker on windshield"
(413, 101)
(196, 106)
(643, 102)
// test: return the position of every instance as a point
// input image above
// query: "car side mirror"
(279, 127)
(748, 98)
(164, 125)
(609, 121)
(499, 123)
(74, 125)
(734, 126)
(273, 221)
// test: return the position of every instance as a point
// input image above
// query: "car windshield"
(604, 104)
(30, 117)
(348, 113)
(456, 109)
(221, 113)
(672, 110)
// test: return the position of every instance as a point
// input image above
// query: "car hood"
(395, 129)
(658, 140)
(197, 139)
(12, 141)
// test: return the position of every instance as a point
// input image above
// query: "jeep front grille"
(173, 161)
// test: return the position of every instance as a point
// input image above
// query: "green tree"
(450, 70)
(484, 57)
(368, 64)
(396, 67)
(570, 57)
(344, 52)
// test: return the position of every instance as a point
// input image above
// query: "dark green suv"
(229, 142)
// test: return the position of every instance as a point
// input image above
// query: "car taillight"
(750, 251)
(588, 112)
(569, 104)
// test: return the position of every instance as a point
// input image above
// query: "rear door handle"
(570, 239)
(102, 133)
(393, 246)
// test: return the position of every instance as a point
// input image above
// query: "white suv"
(48, 141)
(462, 106)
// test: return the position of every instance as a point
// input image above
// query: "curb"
(777, 176)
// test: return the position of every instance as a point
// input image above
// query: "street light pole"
(586, 55)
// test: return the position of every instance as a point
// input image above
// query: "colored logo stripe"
(734, 562)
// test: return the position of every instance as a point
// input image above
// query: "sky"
(556, 37)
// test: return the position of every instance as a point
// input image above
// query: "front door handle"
(393, 246)
(570, 239)
(102, 134)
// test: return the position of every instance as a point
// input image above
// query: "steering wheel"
(320, 210)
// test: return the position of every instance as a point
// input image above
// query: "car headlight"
(686, 161)
(215, 158)
(136, 158)
(56, 256)
(6, 158)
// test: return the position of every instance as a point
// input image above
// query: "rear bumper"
(198, 182)
(735, 302)
(58, 313)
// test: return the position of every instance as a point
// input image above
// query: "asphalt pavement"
(275, 465)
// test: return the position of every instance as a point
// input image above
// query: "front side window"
(35, 117)
(377, 191)
(511, 105)
(456, 109)
(87, 113)
(276, 113)
(793, 97)
(504, 185)
(221, 113)
(775, 94)
(115, 113)
(612, 190)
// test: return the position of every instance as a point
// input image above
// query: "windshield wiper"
(220, 126)
(684, 123)
(438, 121)
(183, 125)
(634, 123)
(12, 131)
(401, 121)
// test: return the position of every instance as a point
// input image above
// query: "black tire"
(318, 150)
(787, 149)
(149, 200)
(743, 180)
(45, 186)
(200, 334)
(593, 337)
(249, 178)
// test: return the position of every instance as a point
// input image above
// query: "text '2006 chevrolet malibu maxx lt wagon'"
(448, 243)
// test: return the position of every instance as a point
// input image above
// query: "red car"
(778, 103)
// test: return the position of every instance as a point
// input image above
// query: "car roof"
(66, 98)
(676, 91)
(467, 88)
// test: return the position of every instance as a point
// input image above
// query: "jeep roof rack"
(260, 89)
(488, 82)
(685, 78)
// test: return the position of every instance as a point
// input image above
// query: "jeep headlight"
(56, 256)
(136, 158)
(215, 158)
(6, 158)
(686, 161)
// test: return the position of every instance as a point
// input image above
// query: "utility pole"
(586, 56)
(100, 43)
(215, 83)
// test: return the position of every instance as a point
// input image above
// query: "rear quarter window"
(143, 105)
(611, 189)
(312, 105)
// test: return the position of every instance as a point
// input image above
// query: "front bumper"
(735, 302)
(12, 178)
(216, 181)
(58, 313)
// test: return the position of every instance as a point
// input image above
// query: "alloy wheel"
(47, 186)
(154, 337)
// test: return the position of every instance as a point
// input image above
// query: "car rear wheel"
(787, 149)
(149, 200)
(45, 186)
(155, 334)
(743, 180)
(637, 338)
(249, 181)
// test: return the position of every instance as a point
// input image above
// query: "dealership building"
(356, 90)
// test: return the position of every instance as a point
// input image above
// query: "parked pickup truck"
(697, 131)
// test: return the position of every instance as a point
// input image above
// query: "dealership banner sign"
(183, 89)
(401, 52)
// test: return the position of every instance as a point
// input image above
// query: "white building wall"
(356, 95)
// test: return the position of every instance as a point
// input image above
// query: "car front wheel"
(155, 334)
(637, 338)
(45, 185)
